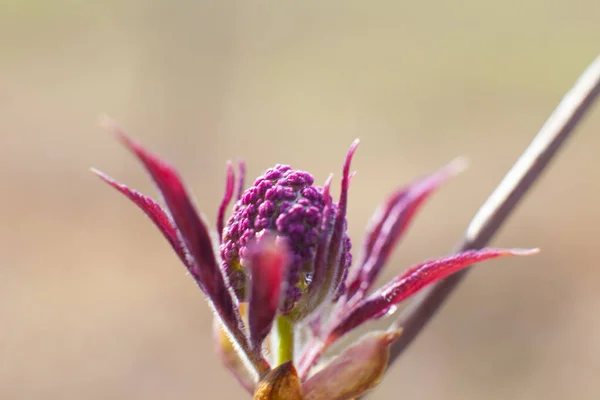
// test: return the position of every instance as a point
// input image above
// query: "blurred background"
(95, 305)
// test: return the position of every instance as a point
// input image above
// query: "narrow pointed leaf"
(229, 182)
(356, 370)
(192, 228)
(410, 282)
(268, 265)
(327, 271)
(230, 357)
(389, 223)
(282, 383)
(317, 290)
(202, 262)
(339, 227)
(241, 178)
(320, 269)
(153, 210)
(327, 264)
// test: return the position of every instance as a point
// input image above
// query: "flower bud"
(285, 202)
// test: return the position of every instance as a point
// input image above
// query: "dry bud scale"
(282, 284)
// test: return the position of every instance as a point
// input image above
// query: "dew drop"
(308, 278)
(391, 311)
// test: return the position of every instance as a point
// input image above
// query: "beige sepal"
(356, 370)
(230, 357)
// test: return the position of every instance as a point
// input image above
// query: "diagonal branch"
(503, 200)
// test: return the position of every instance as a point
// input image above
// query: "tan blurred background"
(95, 305)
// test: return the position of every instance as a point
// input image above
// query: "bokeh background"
(95, 305)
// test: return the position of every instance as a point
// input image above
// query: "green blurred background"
(95, 305)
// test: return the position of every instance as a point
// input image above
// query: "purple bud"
(284, 202)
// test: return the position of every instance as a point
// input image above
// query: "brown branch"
(503, 200)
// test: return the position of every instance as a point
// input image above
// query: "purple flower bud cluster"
(285, 202)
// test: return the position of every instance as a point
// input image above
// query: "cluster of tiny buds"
(284, 201)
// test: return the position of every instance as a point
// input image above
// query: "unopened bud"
(356, 370)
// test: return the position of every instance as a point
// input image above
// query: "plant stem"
(502, 201)
(284, 349)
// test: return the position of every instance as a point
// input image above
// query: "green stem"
(284, 350)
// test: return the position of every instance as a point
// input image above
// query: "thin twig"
(503, 200)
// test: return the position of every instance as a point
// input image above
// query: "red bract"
(268, 263)
(193, 232)
(154, 211)
(389, 222)
(194, 241)
(315, 293)
(225, 202)
(410, 282)
(285, 256)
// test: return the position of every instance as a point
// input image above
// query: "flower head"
(285, 203)
(283, 270)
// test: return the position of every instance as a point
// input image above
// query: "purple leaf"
(337, 238)
(241, 178)
(410, 282)
(229, 182)
(320, 268)
(388, 224)
(153, 210)
(316, 290)
(202, 263)
(329, 265)
(268, 261)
